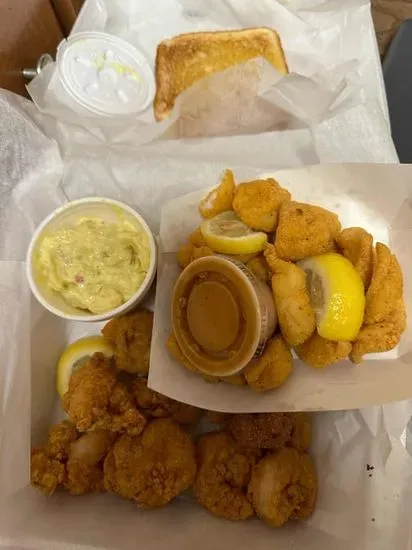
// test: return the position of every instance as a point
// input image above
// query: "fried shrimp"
(283, 487)
(131, 337)
(270, 430)
(304, 231)
(386, 286)
(319, 352)
(224, 470)
(356, 245)
(219, 199)
(60, 438)
(271, 369)
(47, 472)
(257, 203)
(155, 405)
(152, 468)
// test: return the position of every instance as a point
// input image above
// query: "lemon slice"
(227, 234)
(337, 296)
(75, 355)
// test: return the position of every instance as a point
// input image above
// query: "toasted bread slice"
(187, 58)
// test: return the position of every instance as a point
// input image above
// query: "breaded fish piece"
(356, 245)
(386, 286)
(219, 199)
(259, 267)
(319, 352)
(257, 203)
(188, 253)
(382, 336)
(272, 368)
(304, 231)
(283, 487)
(295, 314)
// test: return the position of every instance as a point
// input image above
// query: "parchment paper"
(357, 194)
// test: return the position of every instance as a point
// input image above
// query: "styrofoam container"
(98, 207)
(104, 75)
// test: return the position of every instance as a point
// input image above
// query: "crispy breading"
(96, 400)
(270, 430)
(219, 199)
(131, 337)
(257, 203)
(47, 472)
(380, 337)
(224, 470)
(60, 438)
(188, 253)
(271, 369)
(296, 317)
(283, 487)
(152, 468)
(386, 286)
(259, 267)
(155, 405)
(356, 245)
(304, 231)
(319, 352)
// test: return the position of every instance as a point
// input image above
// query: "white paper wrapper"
(357, 194)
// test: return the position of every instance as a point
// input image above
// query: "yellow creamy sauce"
(94, 265)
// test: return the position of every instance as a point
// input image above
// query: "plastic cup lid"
(104, 74)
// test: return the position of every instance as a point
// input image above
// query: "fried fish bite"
(270, 430)
(296, 317)
(380, 337)
(304, 231)
(386, 286)
(152, 468)
(96, 400)
(155, 405)
(188, 253)
(84, 469)
(319, 352)
(219, 199)
(131, 337)
(271, 369)
(260, 269)
(283, 487)
(47, 472)
(257, 203)
(224, 471)
(60, 438)
(356, 245)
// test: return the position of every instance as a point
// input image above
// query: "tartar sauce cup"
(108, 210)
(222, 315)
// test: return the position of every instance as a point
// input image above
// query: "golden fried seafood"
(84, 469)
(386, 286)
(304, 231)
(380, 337)
(131, 337)
(224, 470)
(257, 203)
(296, 317)
(219, 199)
(60, 438)
(152, 468)
(188, 253)
(46, 471)
(259, 267)
(283, 487)
(319, 352)
(269, 430)
(96, 400)
(156, 405)
(356, 245)
(196, 238)
(271, 369)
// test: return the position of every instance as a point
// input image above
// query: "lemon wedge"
(227, 234)
(75, 355)
(337, 296)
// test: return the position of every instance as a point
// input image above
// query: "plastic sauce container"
(103, 75)
(222, 315)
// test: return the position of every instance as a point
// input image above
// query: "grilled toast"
(187, 58)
